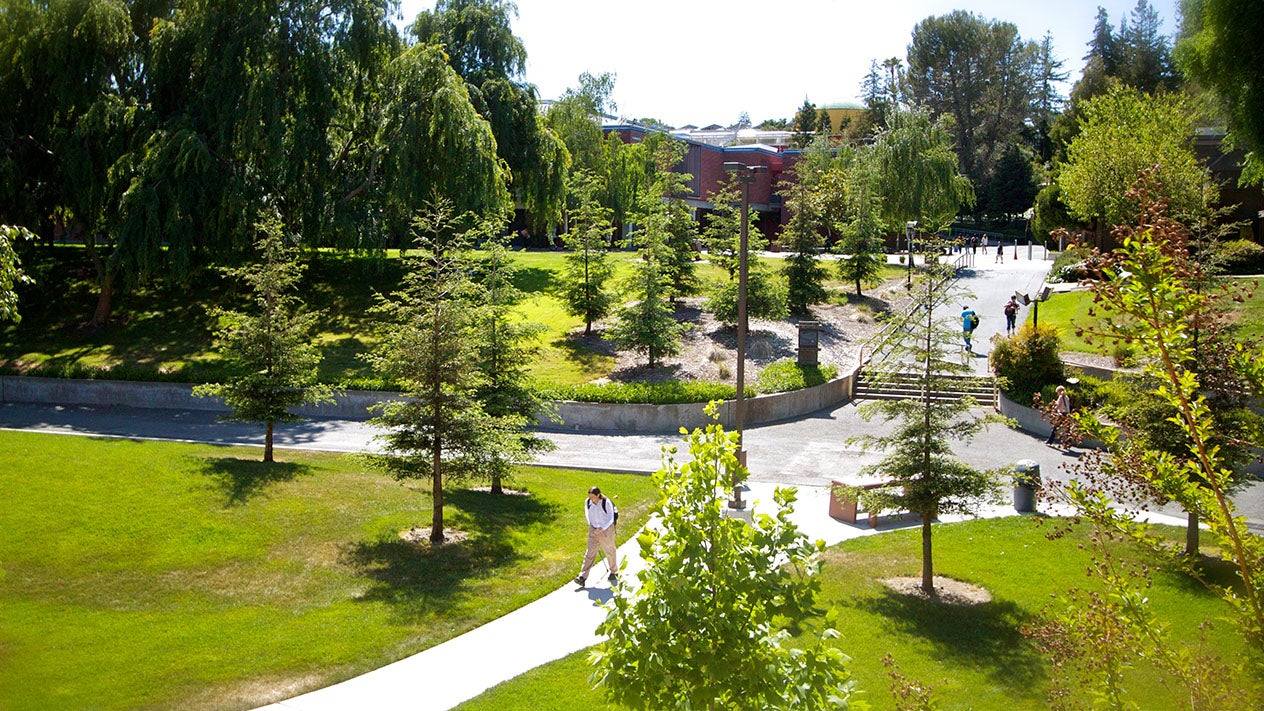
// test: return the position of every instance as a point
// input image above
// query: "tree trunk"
(498, 486)
(1191, 535)
(105, 280)
(267, 442)
(436, 493)
(928, 566)
(105, 283)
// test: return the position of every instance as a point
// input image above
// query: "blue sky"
(690, 62)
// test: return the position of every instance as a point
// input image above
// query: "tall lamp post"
(909, 229)
(746, 176)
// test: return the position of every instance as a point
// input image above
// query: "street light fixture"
(1034, 301)
(745, 174)
(910, 228)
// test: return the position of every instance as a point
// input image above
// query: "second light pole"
(746, 176)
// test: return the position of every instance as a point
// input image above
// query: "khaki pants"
(600, 540)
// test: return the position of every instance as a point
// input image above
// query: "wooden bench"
(844, 507)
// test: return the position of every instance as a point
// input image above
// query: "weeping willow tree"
(435, 144)
(481, 47)
(154, 132)
(915, 173)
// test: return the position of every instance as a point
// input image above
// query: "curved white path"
(549, 628)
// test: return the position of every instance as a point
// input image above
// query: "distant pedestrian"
(1061, 411)
(1000, 252)
(1011, 316)
(602, 516)
(969, 322)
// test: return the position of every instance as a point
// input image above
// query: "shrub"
(1027, 362)
(766, 295)
(786, 375)
(1072, 265)
(1239, 256)
(669, 393)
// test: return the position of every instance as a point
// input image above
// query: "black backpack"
(616, 508)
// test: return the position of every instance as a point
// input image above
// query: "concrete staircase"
(897, 386)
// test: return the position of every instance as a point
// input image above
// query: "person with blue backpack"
(969, 322)
(602, 516)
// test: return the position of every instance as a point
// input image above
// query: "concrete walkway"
(550, 628)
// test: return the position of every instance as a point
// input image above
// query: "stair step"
(891, 386)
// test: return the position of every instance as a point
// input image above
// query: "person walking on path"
(602, 515)
(969, 322)
(1000, 252)
(1011, 316)
(1061, 411)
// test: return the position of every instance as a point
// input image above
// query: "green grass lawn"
(972, 657)
(141, 574)
(163, 330)
(1070, 310)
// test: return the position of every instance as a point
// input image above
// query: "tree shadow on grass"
(493, 514)
(420, 579)
(986, 636)
(531, 280)
(240, 480)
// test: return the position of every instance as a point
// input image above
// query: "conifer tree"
(926, 478)
(861, 246)
(269, 347)
(803, 271)
(587, 269)
(506, 346)
(439, 430)
(648, 325)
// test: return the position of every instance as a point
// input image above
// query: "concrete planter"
(355, 404)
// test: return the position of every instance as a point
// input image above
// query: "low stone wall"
(664, 419)
(354, 404)
(1094, 371)
(1029, 419)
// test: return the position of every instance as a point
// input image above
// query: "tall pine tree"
(268, 348)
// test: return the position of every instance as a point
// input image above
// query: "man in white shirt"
(601, 515)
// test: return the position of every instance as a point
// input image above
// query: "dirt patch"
(255, 692)
(421, 536)
(708, 349)
(504, 492)
(947, 590)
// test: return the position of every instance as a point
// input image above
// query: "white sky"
(702, 62)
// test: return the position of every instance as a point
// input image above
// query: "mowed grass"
(139, 574)
(973, 657)
(1069, 311)
(163, 329)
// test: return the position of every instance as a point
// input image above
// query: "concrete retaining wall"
(1094, 371)
(1029, 419)
(664, 419)
(354, 404)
